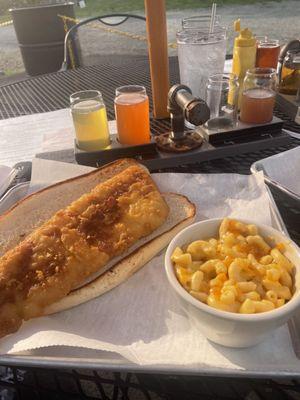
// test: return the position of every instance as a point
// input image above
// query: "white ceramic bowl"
(225, 328)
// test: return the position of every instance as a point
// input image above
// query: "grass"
(11, 72)
(98, 7)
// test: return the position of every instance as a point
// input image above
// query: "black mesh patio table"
(51, 92)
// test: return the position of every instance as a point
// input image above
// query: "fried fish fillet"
(77, 242)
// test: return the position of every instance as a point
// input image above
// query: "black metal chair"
(71, 42)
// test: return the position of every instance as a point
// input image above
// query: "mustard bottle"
(244, 54)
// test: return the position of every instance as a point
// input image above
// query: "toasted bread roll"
(76, 242)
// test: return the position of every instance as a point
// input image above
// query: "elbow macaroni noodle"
(238, 273)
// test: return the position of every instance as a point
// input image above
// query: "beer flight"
(249, 94)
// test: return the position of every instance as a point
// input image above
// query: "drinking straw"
(213, 17)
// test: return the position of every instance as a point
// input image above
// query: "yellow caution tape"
(6, 23)
(113, 30)
(70, 50)
(103, 28)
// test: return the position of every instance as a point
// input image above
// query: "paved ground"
(10, 57)
(277, 19)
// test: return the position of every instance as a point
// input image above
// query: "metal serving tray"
(64, 357)
(282, 171)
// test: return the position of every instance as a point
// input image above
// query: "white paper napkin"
(21, 138)
(141, 319)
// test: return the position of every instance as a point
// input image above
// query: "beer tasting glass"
(290, 73)
(267, 53)
(258, 97)
(222, 99)
(90, 120)
(132, 115)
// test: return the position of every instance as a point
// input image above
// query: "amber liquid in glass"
(257, 106)
(267, 55)
(132, 115)
(290, 81)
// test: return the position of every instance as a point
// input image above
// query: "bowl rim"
(282, 311)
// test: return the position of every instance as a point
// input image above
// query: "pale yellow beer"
(90, 122)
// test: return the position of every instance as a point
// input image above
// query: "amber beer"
(258, 96)
(132, 115)
(257, 106)
(267, 53)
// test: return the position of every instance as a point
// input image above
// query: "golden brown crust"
(109, 169)
(76, 242)
(190, 216)
(182, 214)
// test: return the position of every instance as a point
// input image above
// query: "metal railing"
(107, 28)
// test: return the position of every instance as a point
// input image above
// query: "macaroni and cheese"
(239, 272)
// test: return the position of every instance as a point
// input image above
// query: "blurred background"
(277, 19)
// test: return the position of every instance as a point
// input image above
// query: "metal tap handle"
(177, 126)
(182, 104)
(176, 112)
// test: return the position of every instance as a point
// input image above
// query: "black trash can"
(40, 33)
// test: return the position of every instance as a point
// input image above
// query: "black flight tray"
(289, 106)
(153, 159)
